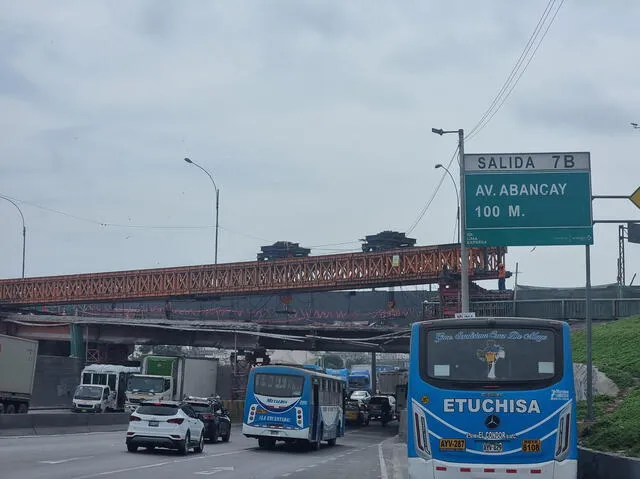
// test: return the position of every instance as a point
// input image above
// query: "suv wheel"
(200, 447)
(184, 446)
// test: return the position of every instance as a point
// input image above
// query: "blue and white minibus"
(491, 398)
(293, 404)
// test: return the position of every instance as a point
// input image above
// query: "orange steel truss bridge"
(406, 266)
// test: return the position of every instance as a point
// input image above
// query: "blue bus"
(293, 404)
(491, 398)
(343, 374)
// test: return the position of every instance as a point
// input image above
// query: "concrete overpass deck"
(218, 334)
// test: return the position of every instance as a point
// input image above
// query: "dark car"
(382, 408)
(215, 417)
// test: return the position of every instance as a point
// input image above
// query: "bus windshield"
(490, 355)
(278, 385)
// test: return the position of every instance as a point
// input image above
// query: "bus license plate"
(154, 423)
(453, 444)
(493, 447)
(531, 445)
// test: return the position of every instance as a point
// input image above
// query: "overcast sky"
(313, 117)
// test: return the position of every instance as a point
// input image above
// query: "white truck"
(17, 371)
(102, 388)
(388, 381)
(172, 378)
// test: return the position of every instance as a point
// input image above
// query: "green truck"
(172, 378)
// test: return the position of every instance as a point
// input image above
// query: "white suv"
(168, 424)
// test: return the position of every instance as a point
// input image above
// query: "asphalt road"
(362, 453)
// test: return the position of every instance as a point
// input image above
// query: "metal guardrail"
(562, 309)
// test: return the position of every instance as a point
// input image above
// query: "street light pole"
(464, 254)
(217, 190)
(24, 231)
(439, 165)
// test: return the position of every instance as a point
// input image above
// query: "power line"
(105, 224)
(433, 195)
(509, 83)
(523, 54)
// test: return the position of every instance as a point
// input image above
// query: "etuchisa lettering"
(462, 405)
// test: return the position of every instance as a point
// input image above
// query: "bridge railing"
(562, 309)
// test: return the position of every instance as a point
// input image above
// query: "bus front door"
(315, 411)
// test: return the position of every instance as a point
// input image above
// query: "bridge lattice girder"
(417, 265)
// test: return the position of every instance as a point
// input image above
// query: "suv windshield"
(490, 355)
(378, 400)
(153, 410)
(278, 385)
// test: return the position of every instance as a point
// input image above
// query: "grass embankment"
(616, 352)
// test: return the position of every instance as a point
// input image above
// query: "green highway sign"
(528, 199)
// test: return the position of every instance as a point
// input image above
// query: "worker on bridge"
(501, 277)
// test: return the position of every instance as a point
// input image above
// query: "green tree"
(331, 361)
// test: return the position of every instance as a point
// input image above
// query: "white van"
(94, 398)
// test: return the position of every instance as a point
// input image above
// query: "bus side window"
(86, 378)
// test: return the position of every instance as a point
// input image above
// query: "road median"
(57, 423)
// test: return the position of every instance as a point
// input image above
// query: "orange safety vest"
(500, 271)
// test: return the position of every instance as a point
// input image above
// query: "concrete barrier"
(236, 409)
(602, 465)
(402, 424)
(43, 424)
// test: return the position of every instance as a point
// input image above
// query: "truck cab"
(94, 398)
(148, 387)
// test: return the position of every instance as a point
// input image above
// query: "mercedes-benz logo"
(492, 421)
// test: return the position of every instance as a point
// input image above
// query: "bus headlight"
(421, 433)
(563, 436)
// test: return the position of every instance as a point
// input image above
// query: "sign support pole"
(464, 254)
(588, 348)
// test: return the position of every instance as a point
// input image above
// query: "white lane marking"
(300, 470)
(383, 464)
(61, 461)
(156, 464)
(286, 474)
(215, 470)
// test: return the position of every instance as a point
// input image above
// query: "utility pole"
(464, 274)
(464, 254)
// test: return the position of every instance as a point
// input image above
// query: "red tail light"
(134, 418)
(176, 420)
(207, 416)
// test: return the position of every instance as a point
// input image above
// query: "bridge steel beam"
(407, 266)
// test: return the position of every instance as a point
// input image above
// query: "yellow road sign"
(635, 198)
